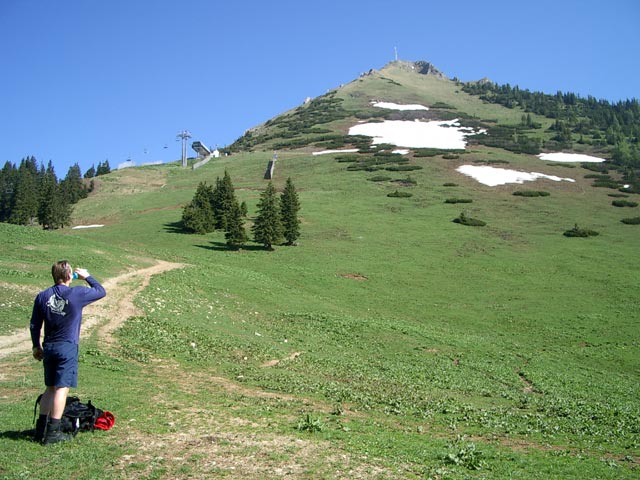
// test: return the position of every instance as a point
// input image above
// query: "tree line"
(612, 126)
(217, 208)
(615, 125)
(31, 194)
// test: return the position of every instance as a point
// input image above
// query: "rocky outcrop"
(421, 67)
(484, 81)
(426, 68)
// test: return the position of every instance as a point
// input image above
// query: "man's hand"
(38, 353)
(82, 273)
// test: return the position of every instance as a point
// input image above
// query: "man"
(59, 308)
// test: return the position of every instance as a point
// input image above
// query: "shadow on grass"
(18, 435)
(175, 227)
(223, 247)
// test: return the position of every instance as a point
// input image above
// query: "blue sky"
(85, 81)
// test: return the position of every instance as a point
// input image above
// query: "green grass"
(390, 343)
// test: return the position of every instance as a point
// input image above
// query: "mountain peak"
(422, 67)
(426, 68)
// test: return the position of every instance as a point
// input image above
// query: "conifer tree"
(267, 227)
(30, 164)
(197, 215)
(289, 207)
(24, 209)
(48, 198)
(54, 210)
(72, 186)
(8, 181)
(622, 153)
(235, 234)
(222, 200)
(90, 173)
(63, 217)
(103, 168)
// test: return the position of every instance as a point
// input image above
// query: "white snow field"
(570, 157)
(449, 135)
(446, 135)
(86, 226)
(396, 106)
(493, 176)
(325, 152)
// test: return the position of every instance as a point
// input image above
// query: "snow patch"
(401, 151)
(324, 152)
(446, 135)
(395, 106)
(493, 176)
(570, 157)
(86, 226)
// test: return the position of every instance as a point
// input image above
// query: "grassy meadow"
(389, 343)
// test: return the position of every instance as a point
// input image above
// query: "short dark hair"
(61, 271)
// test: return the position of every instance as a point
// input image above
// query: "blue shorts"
(60, 364)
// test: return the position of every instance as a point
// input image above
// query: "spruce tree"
(235, 234)
(54, 210)
(72, 186)
(622, 153)
(90, 173)
(48, 198)
(63, 217)
(267, 227)
(30, 164)
(103, 168)
(8, 181)
(222, 200)
(24, 210)
(289, 207)
(197, 215)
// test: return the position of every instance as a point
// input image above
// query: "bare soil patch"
(273, 363)
(354, 276)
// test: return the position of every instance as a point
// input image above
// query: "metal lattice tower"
(184, 135)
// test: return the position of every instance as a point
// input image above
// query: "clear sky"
(84, 81)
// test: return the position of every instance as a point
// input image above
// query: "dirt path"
(106, 314)
(222, 441)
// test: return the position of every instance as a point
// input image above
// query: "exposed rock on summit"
(422, 67)
(426, 68)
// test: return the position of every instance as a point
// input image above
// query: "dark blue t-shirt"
(60, 309)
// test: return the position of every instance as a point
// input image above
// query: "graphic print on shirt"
(56, 304)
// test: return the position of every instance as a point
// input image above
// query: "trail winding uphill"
(107, 314)
(220, 439)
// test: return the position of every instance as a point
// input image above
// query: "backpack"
(81, 417)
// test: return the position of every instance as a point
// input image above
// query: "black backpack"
(77, 416)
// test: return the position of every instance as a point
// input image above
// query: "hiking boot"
(53, 434)
(41, 428)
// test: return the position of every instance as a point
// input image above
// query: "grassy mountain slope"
(314, 123)
(391, 343)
